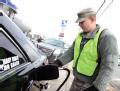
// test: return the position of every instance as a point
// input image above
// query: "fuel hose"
(68, 71)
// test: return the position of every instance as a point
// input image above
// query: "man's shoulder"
(106, 33)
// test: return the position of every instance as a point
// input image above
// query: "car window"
(8, 60)
(10, 55)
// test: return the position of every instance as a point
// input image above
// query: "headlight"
(57, 52)
(45, 62)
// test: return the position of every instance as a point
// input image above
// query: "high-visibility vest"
(85, 61)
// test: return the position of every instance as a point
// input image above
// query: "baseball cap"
(85, 13)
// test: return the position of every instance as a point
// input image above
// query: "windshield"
(54, 42)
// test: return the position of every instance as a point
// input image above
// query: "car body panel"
(16, 45)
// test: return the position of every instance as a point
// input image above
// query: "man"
(94, 54)
(113, 85)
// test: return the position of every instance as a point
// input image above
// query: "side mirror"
(46, 72)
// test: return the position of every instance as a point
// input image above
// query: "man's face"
(87, 25)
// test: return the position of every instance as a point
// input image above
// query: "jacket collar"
(90, 34)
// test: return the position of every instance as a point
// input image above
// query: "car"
(119, 60)
(20, 60)
(53, 48)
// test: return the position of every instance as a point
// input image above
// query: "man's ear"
(93, 18)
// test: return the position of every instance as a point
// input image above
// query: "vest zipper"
(83, 42)
(77, 60)
(80, 49)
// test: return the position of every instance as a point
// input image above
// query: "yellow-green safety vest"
(87, 61)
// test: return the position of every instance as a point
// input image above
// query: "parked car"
(20, 61)
(52, 48)
(119, 60)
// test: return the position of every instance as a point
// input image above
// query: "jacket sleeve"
(67, 56)
(108, 51)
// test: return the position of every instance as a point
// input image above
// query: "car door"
(16, 53)
(12, 61)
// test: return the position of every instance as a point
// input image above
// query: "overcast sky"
(45, 16)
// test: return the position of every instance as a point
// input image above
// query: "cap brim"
(80, 20)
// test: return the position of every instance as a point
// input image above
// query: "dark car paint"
(9, 79)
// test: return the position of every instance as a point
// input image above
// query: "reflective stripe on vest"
(87, 61)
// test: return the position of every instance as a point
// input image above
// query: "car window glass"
(10, 56)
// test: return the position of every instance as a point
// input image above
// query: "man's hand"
(110, 88)
(91, 88)
(57, 62)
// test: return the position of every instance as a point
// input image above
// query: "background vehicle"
(52, 48)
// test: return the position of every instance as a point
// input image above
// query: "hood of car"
(49, 46)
